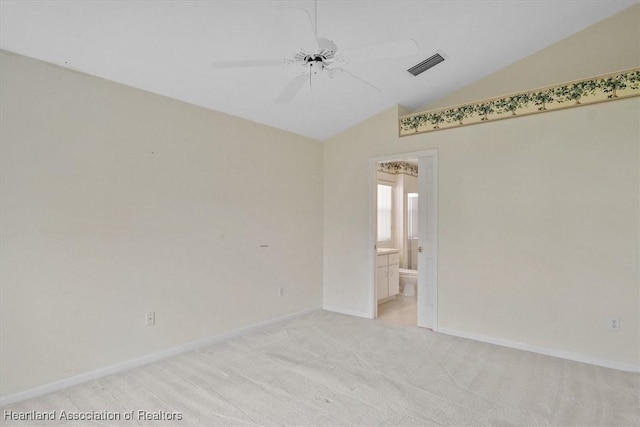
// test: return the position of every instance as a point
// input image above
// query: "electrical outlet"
(614, 324)
(281, 292)
(150, 318)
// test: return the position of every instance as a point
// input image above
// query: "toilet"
(408, 282)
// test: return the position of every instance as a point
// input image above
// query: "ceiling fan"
(321, 56)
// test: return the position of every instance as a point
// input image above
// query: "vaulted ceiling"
(168, 47)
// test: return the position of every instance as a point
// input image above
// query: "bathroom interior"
(397, 241)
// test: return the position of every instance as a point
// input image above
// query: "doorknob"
(419, 248)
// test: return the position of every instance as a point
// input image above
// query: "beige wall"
(538, 216)
(609, 46)
(116, 202)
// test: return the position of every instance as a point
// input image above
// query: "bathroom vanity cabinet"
(387, 276)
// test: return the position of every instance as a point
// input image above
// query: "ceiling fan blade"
(249, 63)
(381, 51)
(300, 22)
(292, 89)
(341, 73)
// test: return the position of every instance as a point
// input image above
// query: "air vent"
(432, 61)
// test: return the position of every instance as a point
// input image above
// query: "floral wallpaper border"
(608, 87)
(398, 167)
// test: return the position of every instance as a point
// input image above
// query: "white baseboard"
(576, 357)
(129, 364)
(348, 312)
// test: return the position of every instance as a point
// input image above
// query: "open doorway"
(404, 237)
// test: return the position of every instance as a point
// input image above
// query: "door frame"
(373, 218)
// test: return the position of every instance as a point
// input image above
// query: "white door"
(427, 242)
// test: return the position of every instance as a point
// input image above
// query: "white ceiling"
(167, 47)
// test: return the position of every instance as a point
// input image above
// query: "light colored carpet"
(329, 369)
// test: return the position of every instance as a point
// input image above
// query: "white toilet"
(408, 282)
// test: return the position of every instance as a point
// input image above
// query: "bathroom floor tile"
(401, 310)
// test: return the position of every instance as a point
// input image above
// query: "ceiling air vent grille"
(426, 64)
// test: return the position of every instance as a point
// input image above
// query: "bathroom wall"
(390, 179)
(410, 185)
(403, 183)
(538, 220)
(116, 202)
